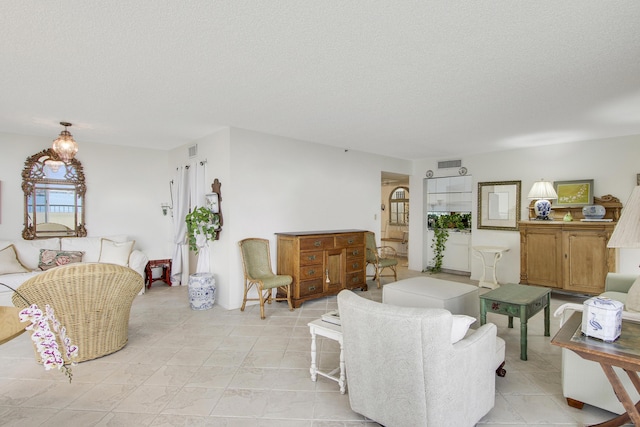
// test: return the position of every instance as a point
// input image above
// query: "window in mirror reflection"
(399, 204)
(54, 197)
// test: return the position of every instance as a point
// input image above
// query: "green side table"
(521, 301)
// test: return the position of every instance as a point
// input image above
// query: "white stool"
(422, 291)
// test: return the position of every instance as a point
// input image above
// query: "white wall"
(611, 163)
(273, 184)
(125, 187)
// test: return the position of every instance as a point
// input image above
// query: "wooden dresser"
(322, 262)
(572, 256)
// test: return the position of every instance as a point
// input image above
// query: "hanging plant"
(441, 225)
(440, 236)
(201, 222)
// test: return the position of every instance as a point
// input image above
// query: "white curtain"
(198, 199)
(180, 193)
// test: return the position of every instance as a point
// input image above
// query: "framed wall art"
(573, 193)
(499, 205)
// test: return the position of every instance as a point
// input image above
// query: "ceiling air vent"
(193, 151)
(449, 164)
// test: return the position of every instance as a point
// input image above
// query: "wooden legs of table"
(341, 379)
(523, 315)
(314, 368)
(632, 413)
(166, 271)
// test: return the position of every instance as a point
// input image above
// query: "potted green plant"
(441, 224)
(201, 222)
(440, 236)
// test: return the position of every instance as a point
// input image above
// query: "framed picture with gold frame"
(573, 193)
(499, 205)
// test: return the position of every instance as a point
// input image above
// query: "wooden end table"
(624, 353)
(521, 301)
(334, 332)
(166, 271)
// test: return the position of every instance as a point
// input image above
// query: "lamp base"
(542, 208)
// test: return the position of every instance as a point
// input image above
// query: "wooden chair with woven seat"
(256, 263)
(380, 257)
(92, 301)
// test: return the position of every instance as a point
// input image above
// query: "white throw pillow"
(460, 326)
(9, 262)
(632, 303)
(115, 252)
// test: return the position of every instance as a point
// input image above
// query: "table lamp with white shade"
(542, 191)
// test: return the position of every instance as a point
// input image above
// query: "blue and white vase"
(202, 291)
(542, 208)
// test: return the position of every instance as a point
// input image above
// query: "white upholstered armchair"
(584, 381)
(403, 370)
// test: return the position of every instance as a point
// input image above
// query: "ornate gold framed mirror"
(54, 197)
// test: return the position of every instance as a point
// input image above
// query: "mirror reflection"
(53, 197)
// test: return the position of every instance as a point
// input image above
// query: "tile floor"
(229, 368)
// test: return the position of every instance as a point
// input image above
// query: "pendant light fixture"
(64, 145)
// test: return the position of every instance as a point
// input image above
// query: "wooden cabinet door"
(334, 270)
(586, 261)
(542, 258)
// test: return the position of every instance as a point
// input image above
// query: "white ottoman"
(458, 298)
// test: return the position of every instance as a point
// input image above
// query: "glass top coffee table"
(522, 301)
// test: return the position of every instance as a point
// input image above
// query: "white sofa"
(28, 253)
(584, 381)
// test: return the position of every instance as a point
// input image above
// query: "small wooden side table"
(334, 332)
(522, 301)
(166, 271)
(623, 352)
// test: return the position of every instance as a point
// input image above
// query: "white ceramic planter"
(202, 291)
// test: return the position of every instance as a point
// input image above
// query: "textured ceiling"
(408, 79)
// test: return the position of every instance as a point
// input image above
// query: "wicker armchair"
(380, 257)
(256, 263)
(92, 301)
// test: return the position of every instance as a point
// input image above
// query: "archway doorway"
(394, 211)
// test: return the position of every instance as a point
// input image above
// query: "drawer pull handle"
(317, 243)
(312, 288)
(311, 272)
(356, 252)
(350, 241)
(311, 257)
(355, 265)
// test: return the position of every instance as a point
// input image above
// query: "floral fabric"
(51, 258)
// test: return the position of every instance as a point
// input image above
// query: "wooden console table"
(624, 353)
(322, 263)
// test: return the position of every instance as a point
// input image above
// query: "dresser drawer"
(310, 272)
(310, 287)
(357, 252)
(311, 258)
(320, 242)
(355, 279)
(346, 240)
(354, 264)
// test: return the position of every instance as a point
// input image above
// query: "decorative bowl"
(593, 211)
